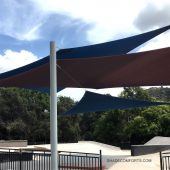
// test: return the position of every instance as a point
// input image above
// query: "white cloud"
(112, 19)
(12, 59)
(20, 19)
(152, 16)
(31, 34)
(77, 93)
(108, 16)
(160, 41)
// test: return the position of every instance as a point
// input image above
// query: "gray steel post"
(53, 107)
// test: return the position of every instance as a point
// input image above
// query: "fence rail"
(165, 160)
(14, 159)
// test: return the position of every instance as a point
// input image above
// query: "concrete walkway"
(113, 158)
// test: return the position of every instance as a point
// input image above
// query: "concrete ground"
(113, 158)
(145, 162)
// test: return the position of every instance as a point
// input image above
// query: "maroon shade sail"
(139, 69)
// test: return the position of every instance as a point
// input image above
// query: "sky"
(27, 27)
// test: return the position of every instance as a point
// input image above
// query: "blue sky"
(26, 27)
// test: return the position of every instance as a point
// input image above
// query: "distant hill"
(159, 93)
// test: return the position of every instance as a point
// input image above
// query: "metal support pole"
(53, 107)
(161, 160)
(101, 160)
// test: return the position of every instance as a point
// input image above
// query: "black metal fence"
(165, 160)
(13, 159)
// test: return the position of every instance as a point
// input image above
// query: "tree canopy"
(24, 114)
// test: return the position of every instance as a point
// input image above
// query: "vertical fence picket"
(165, 160)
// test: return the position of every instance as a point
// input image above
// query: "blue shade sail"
(121, 46)
(110, 71)
(93, 102)
(116, 47)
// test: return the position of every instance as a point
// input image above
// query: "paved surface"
(114, 158)
(88, 147)
(145, 162)
(159, 140)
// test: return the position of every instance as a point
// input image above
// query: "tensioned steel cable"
(70, 76)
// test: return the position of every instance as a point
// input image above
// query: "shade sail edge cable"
(93, 102)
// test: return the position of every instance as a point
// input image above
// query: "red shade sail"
(139, 69)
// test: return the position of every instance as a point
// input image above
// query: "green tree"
(22, 111)
(87, 124)
(109, 127)
(64, 104)
(68, 126)
(151, 122)
(141, 131)
(16, 130)
(165, 124)
(135, 93)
